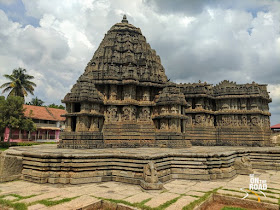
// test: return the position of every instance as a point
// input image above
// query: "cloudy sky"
(205, 40)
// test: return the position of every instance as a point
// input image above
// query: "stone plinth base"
(48, 164)
(151, 186)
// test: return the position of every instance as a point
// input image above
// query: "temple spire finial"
(124, 20)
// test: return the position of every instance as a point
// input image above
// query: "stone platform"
(176, 195)
(153, 166)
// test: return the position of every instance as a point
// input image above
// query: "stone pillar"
(68, 107)
(68, 124)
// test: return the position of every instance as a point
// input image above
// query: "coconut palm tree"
(19, 84)
(36, 102)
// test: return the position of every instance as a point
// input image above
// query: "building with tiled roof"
(48, 121)
(275, 128)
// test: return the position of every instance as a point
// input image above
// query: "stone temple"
(124, 99)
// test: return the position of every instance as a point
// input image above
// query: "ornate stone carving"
(244, 120)
(133, 113)
(124, 64)
(199, 119)
(126, 113)
(164, 110)
(150, 174)
(243, 165)
(146, 95)
(173, 125)
(255, 121)
(174, 110)
(94, 124)
(145, 114)
(113, 95)
(163, 124)
(112, 114)
(188, 121)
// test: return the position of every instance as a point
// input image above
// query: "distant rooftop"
(277, 126)
(43, 113)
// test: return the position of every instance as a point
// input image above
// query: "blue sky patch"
(17, 13)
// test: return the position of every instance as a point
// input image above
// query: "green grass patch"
(259, 193)
(16, 206)
(232, 208)
(145, 201)
(5, 145)
(195, 196)
(200, 200)
(274, 189)
(168, 203)
(272, 192)
(254, 198)
(140, 205)
(234, 190)
(164, 191)
(49, 202)
(19, 197)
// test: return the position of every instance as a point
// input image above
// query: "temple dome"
(124, 55)
(171, 95)
(83, 90)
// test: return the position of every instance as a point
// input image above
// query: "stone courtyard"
(177, 194)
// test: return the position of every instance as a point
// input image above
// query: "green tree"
(36, 102)
(12, 115)
(56, 106)
(2, 124)
(19, 84)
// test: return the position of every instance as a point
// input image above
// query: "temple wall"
(124, 99)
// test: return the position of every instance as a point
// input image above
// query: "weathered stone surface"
(90, 196)
(10, 166)
(148, 167)
(243, 165)
(124, 99)
(151, 181)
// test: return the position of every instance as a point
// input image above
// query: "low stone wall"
(10, 166)
(47, 164)
(233, 201)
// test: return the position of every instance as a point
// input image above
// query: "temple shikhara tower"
(124, 99)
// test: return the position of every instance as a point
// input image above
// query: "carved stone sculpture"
(150, 176)
(125, 92)
(243, 165)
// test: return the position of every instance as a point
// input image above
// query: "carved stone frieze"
(125, 97)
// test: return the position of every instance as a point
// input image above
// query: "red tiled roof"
(43, 113)
(277, 126)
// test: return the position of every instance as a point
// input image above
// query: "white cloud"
(7, 2)
(235, 40)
